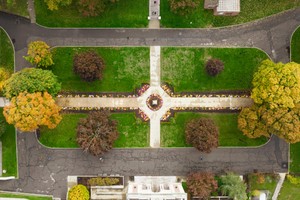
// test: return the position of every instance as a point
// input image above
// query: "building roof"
(228, 6)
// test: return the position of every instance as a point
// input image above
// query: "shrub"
(255, 193)
(203, 134)
(294, 180)
(88, 65)
(31, 80)
(260, 178)
(183, 7)
(214, 67)
(99, 181)
(39, 54)
(78, 192)
(97, 132)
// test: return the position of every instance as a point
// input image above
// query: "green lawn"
(27, 196)
(128, 13)
(295, 46)
(289, 191)
(172, 133)
(6, 52)
(9, 155)
(294, 157)
(269, 183)
(250, 10)
(184, 68)
(126, 69)
(133, 132)
(18, 7)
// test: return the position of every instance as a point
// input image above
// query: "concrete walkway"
(31, 11)
(278, 186)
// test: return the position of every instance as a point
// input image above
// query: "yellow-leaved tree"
(276, 109)
(39, 54)
(29, 111)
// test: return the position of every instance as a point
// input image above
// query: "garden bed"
(125, 69)
(129, 13)
(181, 65)
(116, 181)
(201, 18)
(173, 132)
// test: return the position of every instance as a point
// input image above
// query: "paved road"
(43, 170)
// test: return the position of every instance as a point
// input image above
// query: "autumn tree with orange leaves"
(29, 111)
(39, 54)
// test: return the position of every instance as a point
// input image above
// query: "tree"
(277, 84)
(258, 121)
(202, 133)
(39, 54)
(55, 4)
(88, 65)
(31, 80)
(29, 111)
(183, 7)
(78, 192)
(233, 186)
(214, 67)
(201, 184)
(97, 132)
(276, 108)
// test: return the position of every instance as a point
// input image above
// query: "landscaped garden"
(125, 69)
(260, 181)
(199, 17)
(132, 131)
(183, 68)
(173, 132)
(8, 139)
(24, 196)
(18, 7)
(129, 13)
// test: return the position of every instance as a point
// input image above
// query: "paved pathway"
(31, 11)
(43, 170)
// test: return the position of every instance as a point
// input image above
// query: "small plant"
(214, 66)
(255, 193)
(78, 192)
(260, 178)
(99, 181)
(294, 180)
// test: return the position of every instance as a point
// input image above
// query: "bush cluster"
(78, 192)
(214, 66)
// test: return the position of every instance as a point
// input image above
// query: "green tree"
(201, 184)
(97, 133)
(39, 54)
(78, 192)
(277, 84)
(233, 186)
(203, 134)
(31, 80)
(29, 111)
(55, 4)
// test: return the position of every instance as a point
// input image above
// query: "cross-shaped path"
(44, 170)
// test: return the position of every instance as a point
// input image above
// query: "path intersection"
(45, 170)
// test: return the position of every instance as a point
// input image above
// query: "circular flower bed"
(154, 102)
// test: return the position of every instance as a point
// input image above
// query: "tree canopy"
(201, 184)
(214, 66)
(88, 65)
(276, 108)
(39, 54)
(277, 84)
(31, 80)
(97, 133)
(29, 111)
(233, 186)
(203, 134)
